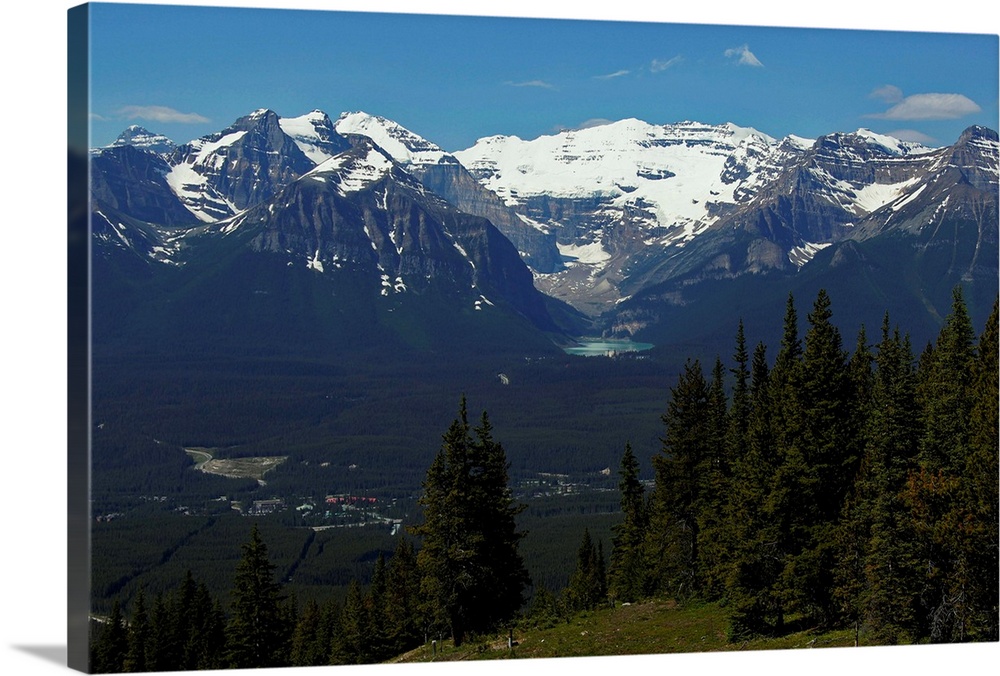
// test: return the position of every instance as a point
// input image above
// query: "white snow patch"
(352, 174)
(670, 169)
(402, 145)
(875, 196)
(801, 255)
(315, 263)
(909, 198)
(302, 129)
(587, 254)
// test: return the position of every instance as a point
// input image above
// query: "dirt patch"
(242, 468)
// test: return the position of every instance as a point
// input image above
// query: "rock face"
(133, 181)
(613, 193)
(443, 174)
(361, 211)
(139, 137)
(247, 163)
(339, 213)
(637, 206)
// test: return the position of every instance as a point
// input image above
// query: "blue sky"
(187, 71)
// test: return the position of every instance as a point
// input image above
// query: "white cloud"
(744, 56)
(887, 93)
(609, 76)
(532, 83)
(586, 124)
(913, 135)
(160, 114)
(930, 107)
(594, 122)
(657, 66)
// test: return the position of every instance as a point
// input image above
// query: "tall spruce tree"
(756, 560)
(256, 634)
(587, 585)
(351, 644)
(877, 579)
(140, 637)
(818, 465)
(674, 535)
(627, 573)
(111, 644)
(934, 492)
(472, 574)
(402, 598)
(980, 491)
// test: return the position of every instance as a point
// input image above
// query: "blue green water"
(606, 347)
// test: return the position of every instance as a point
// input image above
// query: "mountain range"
(313, 231)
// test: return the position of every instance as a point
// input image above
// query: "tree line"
(826, 489)
(830, 489)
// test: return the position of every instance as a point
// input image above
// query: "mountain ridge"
(613, 220)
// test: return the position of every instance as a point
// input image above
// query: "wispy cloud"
(532, 83)
(888, 94)
(743, 56)
(912, 135)
(658, 66)
(609, 76)
(594, 122)
(160, 114)
(586, 124)
(929, 106)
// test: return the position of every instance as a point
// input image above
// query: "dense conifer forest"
(809, 485)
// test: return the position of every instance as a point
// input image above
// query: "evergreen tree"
(626, 574)
(980, 493)
(207, 643)
(184, 618)
(751, 583)
(545, 610)
(112, 643)
(310, 644)
(256, 636)
(163, 649)
(137, 659)
(402, 598)
(351, 642)
(472, 574)
(375, 609)
(739, 414)
(878, 581)
(818, 465)
(674, 537)
(716, 477)
(934, 491)
(945, 392)
(587, 586)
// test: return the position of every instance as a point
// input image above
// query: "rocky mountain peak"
(140, 137)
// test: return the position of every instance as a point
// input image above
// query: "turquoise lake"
(606, 347)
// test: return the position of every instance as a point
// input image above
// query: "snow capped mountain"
(615, 191)
(221, 174)
(443, 174)
(402, 145)
(353, 172)
(315, 135)
(673, 174)
(294, 192)
(616, 220)
(139, 137)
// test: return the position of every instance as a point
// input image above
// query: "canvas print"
(411, 338)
